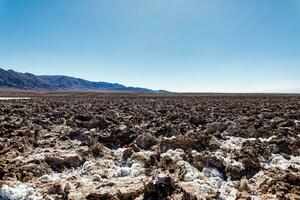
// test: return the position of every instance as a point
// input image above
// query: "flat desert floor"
(172, 147)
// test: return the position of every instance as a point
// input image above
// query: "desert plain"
(149, 146)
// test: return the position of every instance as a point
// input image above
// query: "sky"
(176, 45)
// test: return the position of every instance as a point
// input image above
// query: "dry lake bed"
(150, 147)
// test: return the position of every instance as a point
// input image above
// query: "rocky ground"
(150, 147)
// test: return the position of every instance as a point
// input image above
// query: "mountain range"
(10, 79)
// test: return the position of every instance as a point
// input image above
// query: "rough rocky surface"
(126, 147)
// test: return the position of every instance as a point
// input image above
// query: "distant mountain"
(27, 81)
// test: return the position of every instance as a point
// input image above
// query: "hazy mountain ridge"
(28, 81)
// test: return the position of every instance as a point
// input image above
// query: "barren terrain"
(117, 146)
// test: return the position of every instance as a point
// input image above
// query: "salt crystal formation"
(125, 147)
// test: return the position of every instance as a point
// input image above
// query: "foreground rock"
(150, 147)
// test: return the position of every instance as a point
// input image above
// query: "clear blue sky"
(178, 45)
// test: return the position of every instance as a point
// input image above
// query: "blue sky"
(178, 45)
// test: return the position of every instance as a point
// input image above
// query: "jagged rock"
(197, 120)
(127, 153)
(77, 135)
(83, 117)
(145, 158)
(2, 145)
(24, 171)
(92, 123)
(97, 178)
(160, 188)
(98, 150)
(215, 127)
(166, 131)
(96, 196)
(189, 196)
(3, 171)
(288, 123)
(60, 191)
(112, 146)
(145, 141)
(234, 129)
(59, 163)
(119, 138)
(197, 141)
(293, 115)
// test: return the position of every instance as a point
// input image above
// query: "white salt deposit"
(205, 186)
(118, 153)
(211, 172)
(128, 167)
(123, 171)
(267, 139)
(20, 192)
(14, 98)
(233, 143)
(135, 170)
(97, 177)
(280, 162)
(87, 166)
(52, 177)
(228, 191)
(212, 182)
(170, 138)
(122, 127)
(233, 163)
(107, 163)
(175, 155)
(192, 173)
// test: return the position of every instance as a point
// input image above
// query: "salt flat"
(120, 146)
(14, 98)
